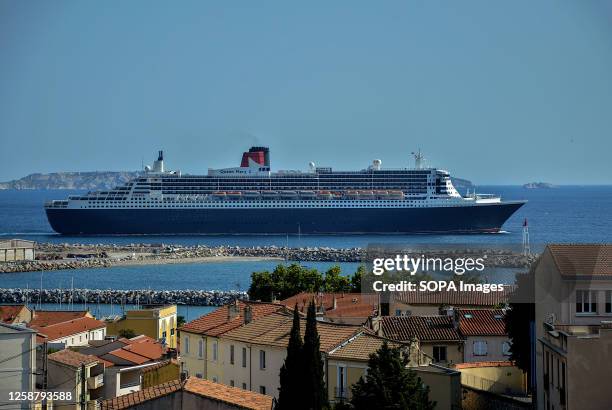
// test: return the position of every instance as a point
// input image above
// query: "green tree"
(289, 392)
(313, 387)
(356, 279)
(389, 384)
(334, 281)
(127, 333)
(180, 321)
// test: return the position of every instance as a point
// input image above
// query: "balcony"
(95, 382)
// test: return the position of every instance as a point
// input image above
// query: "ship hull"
(481, 218)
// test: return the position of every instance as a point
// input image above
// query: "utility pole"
(526, 247)
(83, 388)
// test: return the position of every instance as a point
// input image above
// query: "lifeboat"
(381, 194)
(220, 194)
(251, 194)
(288, 194)
(269, 194)
(234, 194)
(351, 194)
(366, 194)
(325, 195)
(307, 194)
(396, 195)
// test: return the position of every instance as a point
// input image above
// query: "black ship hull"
(478, 218)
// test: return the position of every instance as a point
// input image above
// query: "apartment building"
(573, 323)
(156, 321)
(485, 335)
(254, 353)
(79, 377)
(432, 303)
(17, 360)
(71, 333)
(201, 350)
(437, 336)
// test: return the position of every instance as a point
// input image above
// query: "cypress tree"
(315, 397)
(291, 371)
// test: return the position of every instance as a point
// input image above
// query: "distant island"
(99, 180)
(538, 185)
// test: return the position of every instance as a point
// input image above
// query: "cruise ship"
(251, 199)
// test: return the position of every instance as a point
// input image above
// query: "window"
(586, 301)
(201, 348)
(262, 359)
(186, 345)
(480, 348)
(608, 301)
(398, 312)
(232, 383)
(215, 347)
(214, 379)
(341, 382)
(243, 386)
(506, 348)
(199, 375)
(439, 353)
(262, 389)
(231, 354)
(244, 357)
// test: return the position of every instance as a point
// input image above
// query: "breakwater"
(82, 256)
(120, 297)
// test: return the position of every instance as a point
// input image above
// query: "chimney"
(335, 305)
(233, 310)
(248, 314)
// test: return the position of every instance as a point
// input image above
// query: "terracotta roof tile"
(69, 328)
(215, 391)
(481, 322)
(424, 328)
(127, 355)
(52, 317)
(582, 259)
(220, 321)
(72, 358)
(232, 395)
(347, 304)
(8, 313)
(459, 298)
(360, 347)
(132, 399)
(274, 330)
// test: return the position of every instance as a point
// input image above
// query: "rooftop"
(137, 350)
(582, 259)
(360, 347)
(481, 322)
(424, 328)
(72, 327)
(347, 304)
(463, 298)
(274, 330)
(228, 317)
(72, 358)
(51, 317)
(233, 396)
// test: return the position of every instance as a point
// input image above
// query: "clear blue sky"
(497, 92)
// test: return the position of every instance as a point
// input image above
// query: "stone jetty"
(133, 297)
(82, 256)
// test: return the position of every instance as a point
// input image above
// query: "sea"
(565, 214)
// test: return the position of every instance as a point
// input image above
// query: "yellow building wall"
(494, 379)
(160, 375)
(192, 362)
(149, 322)
(454, 351)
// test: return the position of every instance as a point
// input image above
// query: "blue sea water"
(566, 214)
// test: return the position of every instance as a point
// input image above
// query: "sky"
(496, 92)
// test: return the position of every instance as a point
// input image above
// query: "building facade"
(156, 321)
(17, 360)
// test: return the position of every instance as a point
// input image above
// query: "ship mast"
(419, 159)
